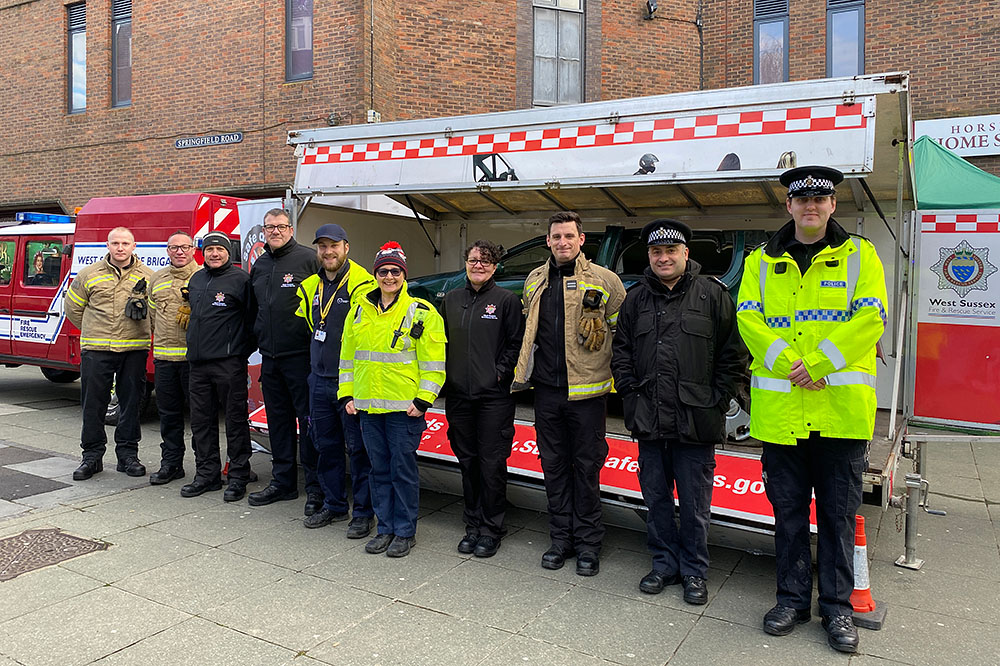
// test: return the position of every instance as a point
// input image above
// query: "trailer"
(709, 158)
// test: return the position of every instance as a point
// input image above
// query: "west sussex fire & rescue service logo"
(963, 268)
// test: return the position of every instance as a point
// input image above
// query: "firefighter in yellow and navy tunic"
(811, 309)
(167, 303)
(107, 301)
(392, 367)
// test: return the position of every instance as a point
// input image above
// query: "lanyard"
(324, 310)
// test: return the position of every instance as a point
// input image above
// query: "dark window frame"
(842, 7)
(767, 12)
(75, 24)
(291, 76)
(553, 6)
(121, 14)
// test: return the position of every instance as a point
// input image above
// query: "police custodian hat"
(811, 181)
(666, 232)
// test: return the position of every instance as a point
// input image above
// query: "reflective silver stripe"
(345, 377)
(428, 385)
(432, 366)
(853, 272)
(832, 353)
(385, 357)
(851, 378)
(773, 352)
(346, 364)
(378, 403)
(771, 384)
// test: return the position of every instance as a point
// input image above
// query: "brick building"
(99, 92)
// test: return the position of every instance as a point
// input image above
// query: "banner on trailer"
(957, 365)
(738, 489)
(671, 146)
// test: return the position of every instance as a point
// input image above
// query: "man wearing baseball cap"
(811, 308)
(677, 361)
(325, 299)
(219, 341)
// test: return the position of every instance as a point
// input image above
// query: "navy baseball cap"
(334, 232)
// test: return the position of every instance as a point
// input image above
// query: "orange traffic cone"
(861, 598)
(868, 613)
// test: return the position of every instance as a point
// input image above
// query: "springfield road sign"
(958, 325)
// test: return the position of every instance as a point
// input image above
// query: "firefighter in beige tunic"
(169, 312)
(108, 302)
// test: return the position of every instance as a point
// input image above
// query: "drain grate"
(36, 549)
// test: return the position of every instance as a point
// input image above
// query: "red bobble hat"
(390, 253)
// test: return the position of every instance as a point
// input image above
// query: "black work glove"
(136, 307)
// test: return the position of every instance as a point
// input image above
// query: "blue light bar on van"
(49, 218)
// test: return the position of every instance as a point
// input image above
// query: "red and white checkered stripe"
(750, 123)
(975, 222)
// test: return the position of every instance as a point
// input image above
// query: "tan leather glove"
(184, 311)
(591, 331)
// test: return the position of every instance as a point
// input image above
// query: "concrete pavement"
(200, 581)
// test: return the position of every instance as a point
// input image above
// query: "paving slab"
(71, 632)
(133, 552)
(15, 486)
(391, 577)
(744, 599)
(12, 455)
(612, 627)
(40, 588)
(8, 508)
(221, 523)
(520, 650)
(49, 467)
(92, 524)
(718, 642)
(979, 560)
(290, 544)
(203, 581)
(298, 612)
(922, 637)
(927, 589)
(490, 595)
(957, 506)
(757, 565)
(405, 635)
(198, 641)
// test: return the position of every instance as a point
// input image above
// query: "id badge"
(320, 335)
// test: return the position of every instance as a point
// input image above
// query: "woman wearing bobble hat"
(392, 367)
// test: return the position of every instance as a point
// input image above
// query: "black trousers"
(171, 384)
(98, 369)
(285, 382)
(662, 464)
(481, 433)
(831, 467)
(216, 385)
(572, 449)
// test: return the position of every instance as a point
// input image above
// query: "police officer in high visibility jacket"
(108, 302)
(811, 309)
(325, 300)
(169, 312)
(392, 367)
(572, 308)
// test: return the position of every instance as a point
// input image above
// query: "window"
(43, 263)
(845, 37)
(121, 52)
(298, 40)
(557, 76)
(77, 43)
(8, 248)
(770, 41)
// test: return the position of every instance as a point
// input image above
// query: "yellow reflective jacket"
(357, 277)
(95, 303)
(169, 339)
(382, 365)
(831, 318)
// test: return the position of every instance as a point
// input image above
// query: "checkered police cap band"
(810, 183)
(665, 236)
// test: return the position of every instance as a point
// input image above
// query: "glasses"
(394, 272)
(485, 263)
(276, 227)
(179, 248)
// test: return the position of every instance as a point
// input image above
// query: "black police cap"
(666, 232)
(811, 181)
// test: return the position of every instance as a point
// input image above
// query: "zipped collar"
(777, 245)
(483, 289)
(283, 250)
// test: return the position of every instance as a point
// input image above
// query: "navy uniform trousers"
(832, 467)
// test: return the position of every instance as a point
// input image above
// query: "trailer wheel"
(60, 376)
(114, 409)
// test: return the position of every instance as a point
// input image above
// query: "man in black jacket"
(283, 340)
(219, 340)
(677, 360)
(485, 328)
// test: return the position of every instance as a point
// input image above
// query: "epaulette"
(719, 282)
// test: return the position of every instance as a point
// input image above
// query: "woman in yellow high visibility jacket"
(392, 367)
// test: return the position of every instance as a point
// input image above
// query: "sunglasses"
(394, 272)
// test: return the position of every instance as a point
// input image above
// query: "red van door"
(37, 306)
(8, 256)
